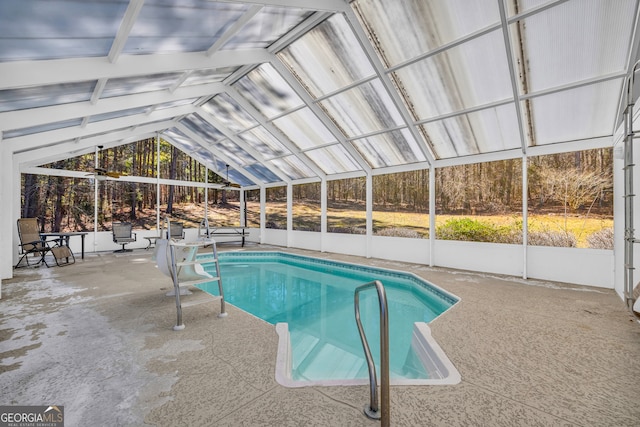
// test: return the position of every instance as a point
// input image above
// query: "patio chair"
(176, 231)
(123, 235)
(31, 242)
(62, 254)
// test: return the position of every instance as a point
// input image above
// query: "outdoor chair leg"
(25, 257)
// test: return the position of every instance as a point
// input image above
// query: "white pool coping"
(436, 363)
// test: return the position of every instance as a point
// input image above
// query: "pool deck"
(97, 338)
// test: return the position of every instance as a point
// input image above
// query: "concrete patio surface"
(97, 338)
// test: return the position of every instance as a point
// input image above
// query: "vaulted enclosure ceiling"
(290, 91)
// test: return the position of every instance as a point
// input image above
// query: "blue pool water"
(315, 297)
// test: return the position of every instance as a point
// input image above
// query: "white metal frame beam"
(324, 5)
(35, 141)
(218, 153)
(381, 73)
(17, 74)
(233, 93)
(71, 148)
(19, 119)
(309, 102)
(213, 121)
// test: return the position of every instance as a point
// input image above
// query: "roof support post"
(96, 189)
(323, 213)
(263, 214)
(206, 195)
(10, 195)
(158, 182)
(432, 214)
(369, 214)
(525, 213)
(289, 214)
(243, 207)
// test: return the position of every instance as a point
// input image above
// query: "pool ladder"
(372, 410)
(196, 277)
(176, 265)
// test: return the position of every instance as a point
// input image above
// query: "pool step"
(304, 344)
(343, 364)
(315, 360)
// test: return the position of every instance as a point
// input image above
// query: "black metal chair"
(123, 234)
(176, 231)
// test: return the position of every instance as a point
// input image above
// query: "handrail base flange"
(370, 413)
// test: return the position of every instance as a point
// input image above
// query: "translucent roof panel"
(186, 26)
(266, 27)
(471, 74)
(262, 141)
(327, 58)
(204, 156)
(293, 89)
(202, 128)
(267, 91)
(304, 129)
(584, 112)
(235, 176)
(389, 149)
(210, 75)
(262, 173)
(180, 140)
(292, 166)
(233, 151)
(446, 21)
(333, 159)
(139, 84)
(43, 96)
(229, 112)
(363, 109)
(41, 128)
(51, 29)
(238, 177)
(555, 42)
(489, 130)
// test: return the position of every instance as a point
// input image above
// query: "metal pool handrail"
(372, 411)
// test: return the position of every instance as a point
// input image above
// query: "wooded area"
(67, 204)
(579, 183)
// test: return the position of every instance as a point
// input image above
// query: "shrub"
(275, 225)
(552, 238)
(471, 230)
(601, 239)
(347, 230)
(399, 232)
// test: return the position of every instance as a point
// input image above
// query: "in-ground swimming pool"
(311, 302)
